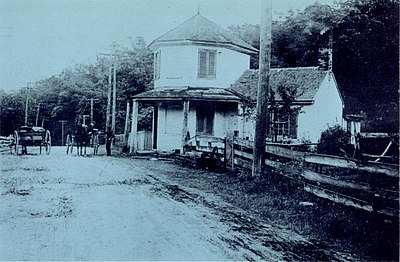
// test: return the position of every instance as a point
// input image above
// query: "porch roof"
(189, 93)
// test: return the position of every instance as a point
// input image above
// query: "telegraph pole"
(112, 89)
(37, 114)
(92, 100)
(62, 131)
(108, 111)
(263, 88)
(114, 101)
(26, 105)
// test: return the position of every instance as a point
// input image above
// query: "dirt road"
(58, 207)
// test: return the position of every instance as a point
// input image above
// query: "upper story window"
(157, 63)
(207, 63)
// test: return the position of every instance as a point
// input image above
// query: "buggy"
(26, 136)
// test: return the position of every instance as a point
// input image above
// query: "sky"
(40, 38)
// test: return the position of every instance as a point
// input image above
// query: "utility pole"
(62, 131)
(108, 111)
(112, 89)
(37, 114)
(263, 88)
(114, 95)
(92, 100)
(26, 105)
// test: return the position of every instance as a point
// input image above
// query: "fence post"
(185, 125)
(225, 161)
(233, 152)
(126, 129)
(133, 142)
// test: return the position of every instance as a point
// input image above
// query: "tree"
(366, 59)
(67, 95)
(333, 141)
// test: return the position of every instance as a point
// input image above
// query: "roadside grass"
(282, 201)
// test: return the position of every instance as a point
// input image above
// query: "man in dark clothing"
(109, 139)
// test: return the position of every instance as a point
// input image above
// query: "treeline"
(67, 96)
(363, 36)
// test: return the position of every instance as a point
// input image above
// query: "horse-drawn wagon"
(30, 136)
(81, 138)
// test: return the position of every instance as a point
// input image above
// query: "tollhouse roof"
(200, 29)
(188, 93)
(306, 79)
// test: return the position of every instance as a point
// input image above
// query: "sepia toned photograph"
(199, 130)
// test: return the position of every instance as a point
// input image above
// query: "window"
(283, 124)
(157, 62)
(280, 128)
(207, 63)
(204, 120)
(280, 124)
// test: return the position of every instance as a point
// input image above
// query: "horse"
(82, 139)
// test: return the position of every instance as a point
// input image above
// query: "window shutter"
(157, 64)
(202, 64)
(211, 64)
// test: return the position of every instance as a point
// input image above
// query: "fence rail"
(368, 185)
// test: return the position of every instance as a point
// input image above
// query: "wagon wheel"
(95, 143)
(47, 141)
(69, 143)
(16, 143)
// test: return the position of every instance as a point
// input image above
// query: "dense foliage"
(334, 141)
(365, 46)
(364, 36)
(67, 96)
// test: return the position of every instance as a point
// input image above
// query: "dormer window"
(207, 64)
(157, 62)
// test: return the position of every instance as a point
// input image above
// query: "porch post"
(185, 124)
(133, 142)
(126, 130)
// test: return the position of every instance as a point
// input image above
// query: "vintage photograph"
(199, 130)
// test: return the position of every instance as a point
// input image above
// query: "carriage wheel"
(95, 144)
(16, 143)
(47, 141)
(68, 143)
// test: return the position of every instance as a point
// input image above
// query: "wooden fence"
(369, 186)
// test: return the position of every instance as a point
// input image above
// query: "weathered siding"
(326, 111)
(169, 134)
(179, 66)
(226, 120)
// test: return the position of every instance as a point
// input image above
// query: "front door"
(205, 119)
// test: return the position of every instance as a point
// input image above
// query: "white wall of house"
(326, 111)
(225, 122)
(170, 121)
(169, 130)
(246, 125)
(170, 125)
(179, 66)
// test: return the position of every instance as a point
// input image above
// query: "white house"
(203, 83)
(317, 101)
(195, 64)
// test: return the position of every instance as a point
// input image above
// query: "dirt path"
(60, 207)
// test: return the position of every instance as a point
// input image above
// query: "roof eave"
(179, 42)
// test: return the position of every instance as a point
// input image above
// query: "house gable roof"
(200, 30)
(306, 79)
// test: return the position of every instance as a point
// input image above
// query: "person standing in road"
(109, 139)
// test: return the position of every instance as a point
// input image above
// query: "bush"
(334, 141)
